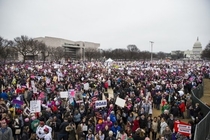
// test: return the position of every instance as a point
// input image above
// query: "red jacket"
(135, 125)
(182, 107)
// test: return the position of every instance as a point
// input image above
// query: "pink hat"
(33, 118)
(26, 119)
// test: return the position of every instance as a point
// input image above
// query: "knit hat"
(26, 120)
(46, 129)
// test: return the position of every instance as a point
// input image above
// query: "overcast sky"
(171, 24)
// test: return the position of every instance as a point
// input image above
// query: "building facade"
(195, 53)
(72, 49)
(196, 50)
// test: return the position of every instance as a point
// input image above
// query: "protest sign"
(72, 93)
(78, 97)
(32, 83)
(27, 111)
(182, 128)
(17, 102)
(86, 86)
(181, 93)
(120, 102)
(35, 90)
(64, 94)
(35, 106)
(100, 103)
(84, 128)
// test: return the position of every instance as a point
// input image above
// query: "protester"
(5, 131)
(68, 94)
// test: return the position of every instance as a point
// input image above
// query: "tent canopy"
(109, 60)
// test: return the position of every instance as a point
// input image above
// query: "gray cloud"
(172, 25)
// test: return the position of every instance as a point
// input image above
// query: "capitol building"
(195, 53)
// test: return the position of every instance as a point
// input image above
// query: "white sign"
(120, 102)
(86, 86)
(35, 106)
(84, 128)
(32, 83)
(184, 128)
(100, 103)
(35, 90)
(64, 94)
(181, 93)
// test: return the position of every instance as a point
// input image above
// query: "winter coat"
(135, 125)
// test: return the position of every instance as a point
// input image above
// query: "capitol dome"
(197, 50)
(197, 44)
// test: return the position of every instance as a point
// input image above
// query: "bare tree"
(22, 46)
(92, 53)
(5, 48)
(133, 48)
(34, 48)
(133, 52)
(161, 55)
(56, 53)
(44, 50)
(206, 52)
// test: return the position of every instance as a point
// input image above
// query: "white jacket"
(40, 131)
(48, 136)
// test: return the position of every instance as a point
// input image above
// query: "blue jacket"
(4, 95)
(115, 129)
(113, 118)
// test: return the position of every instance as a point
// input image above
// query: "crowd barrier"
(202, 130)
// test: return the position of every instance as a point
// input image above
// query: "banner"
(17, 102)
(101, 103)
(64, 94)
(120, 102)
(35, 106)
(182, 128)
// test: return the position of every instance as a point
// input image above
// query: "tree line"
(30, 49)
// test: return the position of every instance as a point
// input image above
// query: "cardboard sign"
(64, 94)
(35, 106)
(120, 102)
(101, 103)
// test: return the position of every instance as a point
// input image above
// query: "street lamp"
(151, 48)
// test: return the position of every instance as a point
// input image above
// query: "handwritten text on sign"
(100, 103)
(35, 106)
(184, 128)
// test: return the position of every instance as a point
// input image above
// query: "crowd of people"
(145, 86)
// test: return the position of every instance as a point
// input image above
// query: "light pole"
(151, 48)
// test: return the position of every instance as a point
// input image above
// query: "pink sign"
(72, 93)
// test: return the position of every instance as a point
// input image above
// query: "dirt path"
(206, 96)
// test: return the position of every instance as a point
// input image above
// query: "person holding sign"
(48, 135)
(40, 130)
